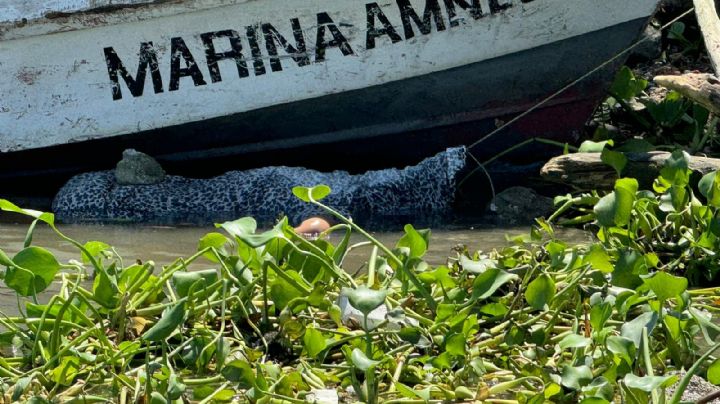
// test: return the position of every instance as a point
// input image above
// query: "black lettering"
(409, 16)
(272, 36)
(213, 57)
(178, 49)
(258, 63)
(475, 10)
(374, 11)
(147, 57)
(497, 6)
(321, 45)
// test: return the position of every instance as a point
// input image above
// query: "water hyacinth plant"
(538, 321)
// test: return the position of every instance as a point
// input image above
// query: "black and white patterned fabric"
(392, 195)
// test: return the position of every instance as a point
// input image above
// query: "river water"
(164, 244)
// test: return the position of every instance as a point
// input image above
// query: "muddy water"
(164, 244)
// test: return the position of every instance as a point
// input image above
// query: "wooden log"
(703, 89)
(709, 22)
(586, 171)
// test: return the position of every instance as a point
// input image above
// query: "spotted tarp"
(393, 195)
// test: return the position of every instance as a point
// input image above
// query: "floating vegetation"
(277, 319)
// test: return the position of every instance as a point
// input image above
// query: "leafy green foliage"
(540, 291)
(671, 121)
(546, 321)
(168, 323)
(615, 208)
(316, 193)
(626, 85)
(32, 271)
(671, 227)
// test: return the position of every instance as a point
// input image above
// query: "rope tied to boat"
(543, 102)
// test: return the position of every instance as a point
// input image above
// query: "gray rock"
(696, 390)
(137, 168)
(519, 205)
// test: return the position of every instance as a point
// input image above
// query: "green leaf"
(576, 377)
(176, 387)
(623, 347)
(598, 259)
(636, 146)
(259, 240)
(600, 313)
(205, 391)
(476, 267)
(464, 393)
(5, 260)
(157, 398)
(240, 372)
(365, 299)
(626, 86)
(410, 334)
(66, 372)
(709, 329)
(633, 329)
(709, 187)
(314, 342)
(414, 241)
(282, 292)
(214, 240)
(95, 248)
(33, 272)
(600, 389)
(589, 146)
(183, 281)
(455, 345)
(490, 281)
(540, 291)
(21, 384)
(665, 285)
(552, 389)
(614, 159)
(615, 208)
(168, 323)
(360, 361)
(676, 169)
(649, 383)
(574, 341)
(243, 226)
(670, 110)
(677, 31)
(405, 391)
(713, 373)
(494, 309)
(440, 276)
(316, 193)
(8, 206)
(105, 290)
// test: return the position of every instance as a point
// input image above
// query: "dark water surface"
(164, 244)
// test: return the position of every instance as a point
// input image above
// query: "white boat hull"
(58, 88)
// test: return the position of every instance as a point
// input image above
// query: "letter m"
(136, 85)
(409, 16)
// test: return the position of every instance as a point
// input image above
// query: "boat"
(211, 85)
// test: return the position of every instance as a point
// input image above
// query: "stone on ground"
(137, 168)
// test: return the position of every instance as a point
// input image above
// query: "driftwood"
(707, 17)
(703, 89)
(586, 171)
